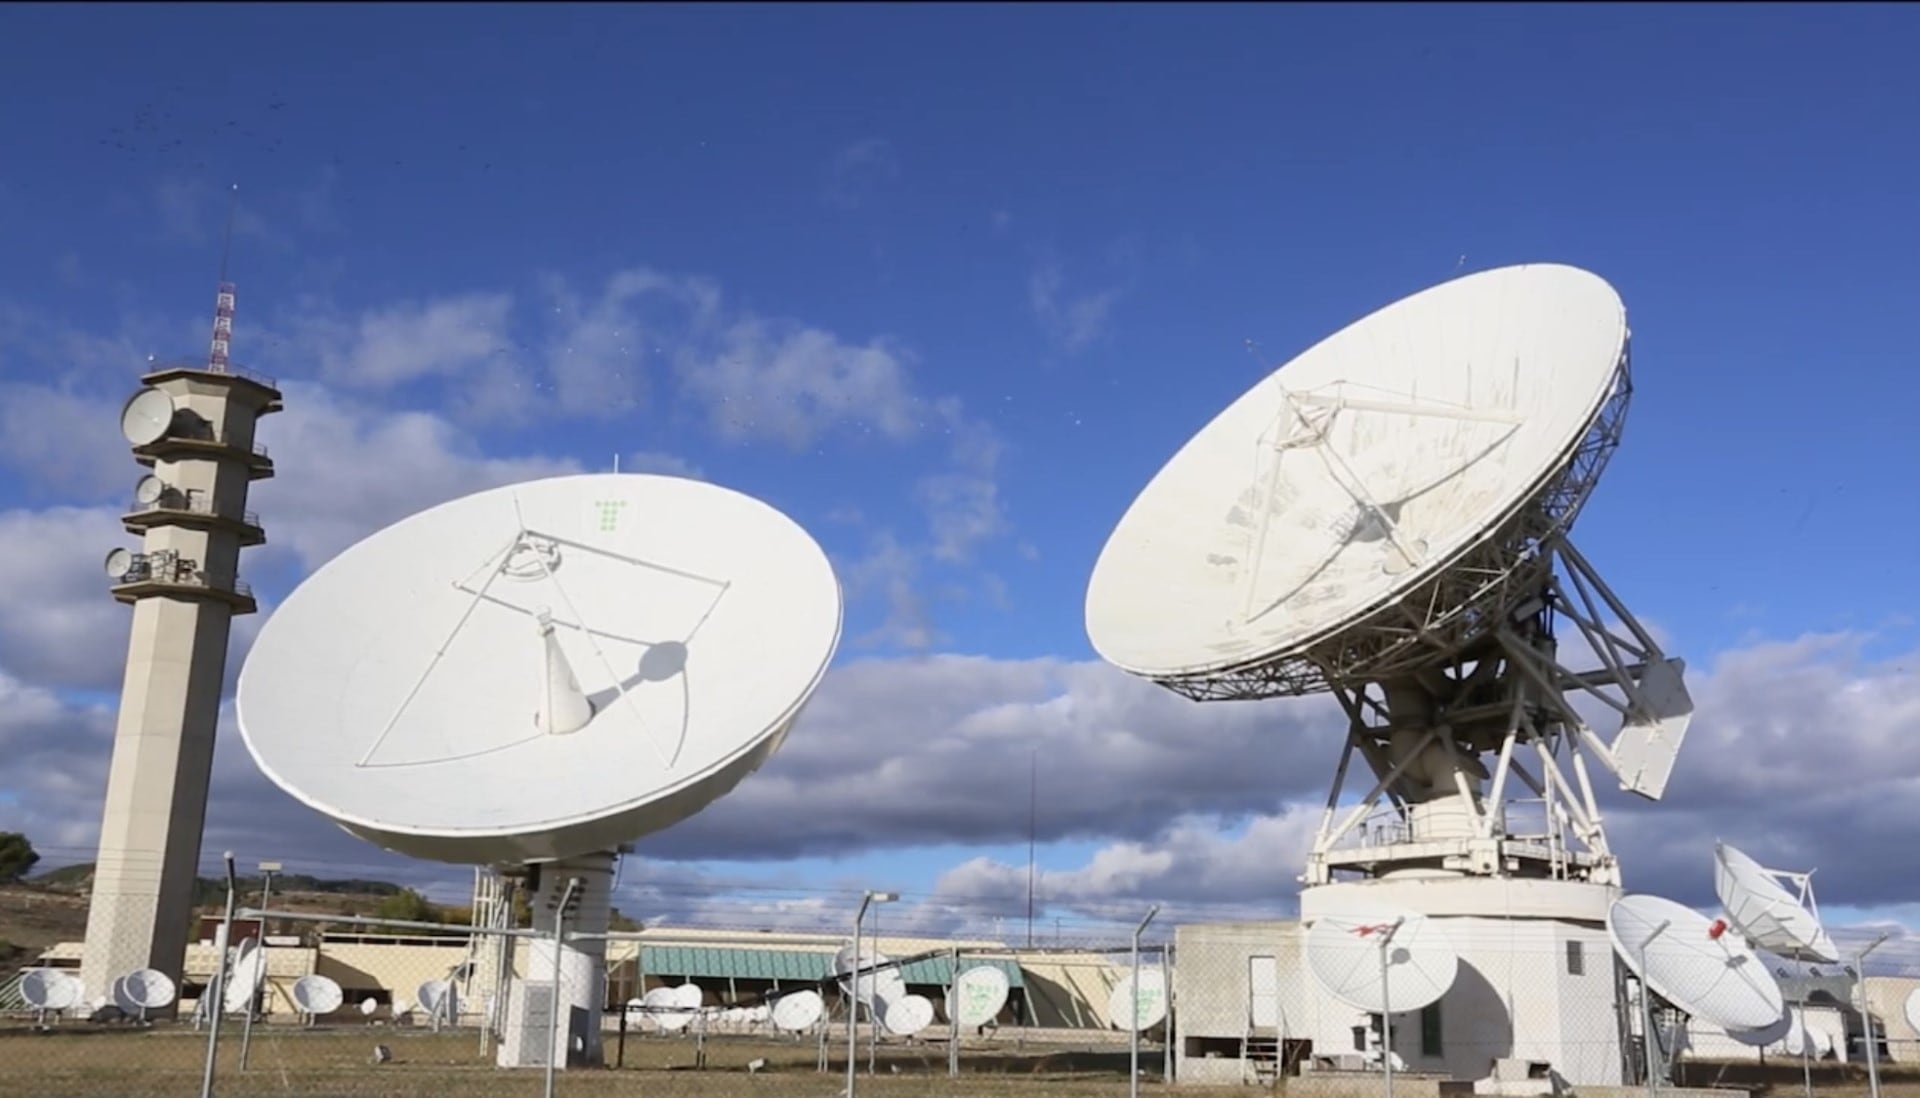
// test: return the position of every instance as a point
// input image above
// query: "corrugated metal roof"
(797, 965)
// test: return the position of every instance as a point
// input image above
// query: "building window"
(1430, 1030)
(1576, 958)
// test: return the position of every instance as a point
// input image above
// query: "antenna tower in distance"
(1385, 519)
(192, 424)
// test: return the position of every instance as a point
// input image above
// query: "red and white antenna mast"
(223, 299)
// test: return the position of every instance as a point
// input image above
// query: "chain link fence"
(327, 1004)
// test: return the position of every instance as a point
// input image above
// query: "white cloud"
(858, 172)
(1075, 321)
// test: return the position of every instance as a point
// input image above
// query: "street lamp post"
(853, 983)
(267, 870)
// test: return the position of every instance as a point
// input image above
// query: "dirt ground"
(128, 1062)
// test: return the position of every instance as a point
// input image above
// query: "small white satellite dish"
(146, 417)
(368, 1005)
(118, 563)
(1765, 1035)
(1771, 917)
(881, 984)
(1693, 963)
(436, 997)
(50, 989)
(907, 1015)
(142, 990)
(981, 993)
(1130, 1012)
(148, 490)
(243, 976)
(1344, 953)
(798, 1011)
(662, 1007)
(641, 642)
(315, 994)
(1912, 1008)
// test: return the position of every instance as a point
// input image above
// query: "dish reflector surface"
(907, 1015)
(399, 690)
(885, 985)
(1717, 979)
(982, 993)
(243, 976)
(798, 1011)
(143, 989)
(1343, 952)
(1130, 1012)
(1358, 470)
(317, 994)
(50, 989)
(1773, 918)
(1913, 1008)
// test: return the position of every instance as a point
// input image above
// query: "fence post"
(1866, 1016)
(953, 1012)
(1166, 1040)
(260, 974)
(1133, 1010)
(218, 991)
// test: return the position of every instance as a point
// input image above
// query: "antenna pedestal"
(567, 974)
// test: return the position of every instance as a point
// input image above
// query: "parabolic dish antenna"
(118, 563)
(978, 995)
(1130, 1012)
(146, 416)
(1694, 964)
(148, 490)
(1344, 953)
(368, 1005)
(142, 990)
(907, 1015)
(243, 976)
(1913, 1008)
(50, 989)
(1765, 1035)
(1771, 917)
(436, 997)
(885, 984)
(1352, 479)
(316, 994)
(543, 670)
(663, 1007)
(798, 1011)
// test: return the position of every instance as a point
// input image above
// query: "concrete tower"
(193, 426)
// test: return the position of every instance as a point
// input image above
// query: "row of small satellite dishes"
(1686, 958)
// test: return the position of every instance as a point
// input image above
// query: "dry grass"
(167, 1061)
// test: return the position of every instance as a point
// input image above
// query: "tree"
(407, 905)
(16, 856)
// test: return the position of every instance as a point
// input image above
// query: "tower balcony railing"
(204, 367)
(193, 502)
(164, 572)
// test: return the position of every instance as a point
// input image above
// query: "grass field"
(168, 1061)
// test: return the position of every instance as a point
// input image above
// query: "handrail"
(207, 368)
(190, 502)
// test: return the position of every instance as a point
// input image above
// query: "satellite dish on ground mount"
(880, 979)
(978, 995)
(1344, 952)
(439, 999)
(1386, 518)
(798, 1011)
(1765, 1035)
(541, 674)
(1690, 961)
(668, 1007)
(315, 995)
(1771, 917)
(50, 990)
(906, 1015)
(1128, 1011)
(243, 976)
(142, 990)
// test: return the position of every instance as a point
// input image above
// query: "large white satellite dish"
(1360, 471)
(798, 1011)
(978, 995)
(1129, 1011)
(906, 1015)
(315, 994)
(1765, 1035)
(1771, 917)
(146, 416)
(1912, 1008)
(1693, 963)
(142, 990)
(1344, 953)
(49, 989)
(414, 690)
(662, 1007)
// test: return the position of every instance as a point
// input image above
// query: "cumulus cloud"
(1073, 320)
(858, 172)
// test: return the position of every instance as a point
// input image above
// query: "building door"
(1263, 992)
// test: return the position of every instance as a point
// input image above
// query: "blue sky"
(1064, 222)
